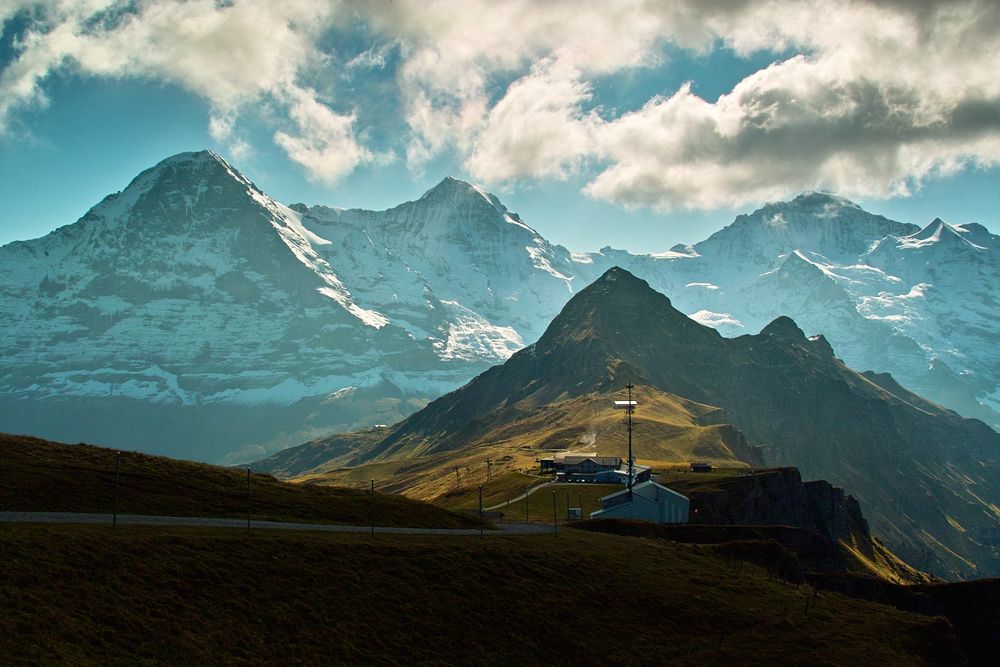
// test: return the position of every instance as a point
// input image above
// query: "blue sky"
(601, 125)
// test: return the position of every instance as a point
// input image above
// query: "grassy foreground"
(41, 476)
(87, 595)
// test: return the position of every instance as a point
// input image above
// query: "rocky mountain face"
(818, 522)
(925, 475)
(892, 297)
(193, 315)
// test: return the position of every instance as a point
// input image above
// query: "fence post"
(118, 466)
(248, 497)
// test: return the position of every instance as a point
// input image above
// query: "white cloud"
(537, 129)
(877, 97)
(324, 144)
(231, 54)
(886, 98)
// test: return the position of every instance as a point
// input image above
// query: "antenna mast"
(629, 407)
(631, 462)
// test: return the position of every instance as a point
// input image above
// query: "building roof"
(643, 489)
(599, 460)
(559, 456)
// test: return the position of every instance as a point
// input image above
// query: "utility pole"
(248, 497)
(631, 462)
(555, 518)
(489, 470)
(118, 467)
(482, 515)
(629, 407)
(372, 521)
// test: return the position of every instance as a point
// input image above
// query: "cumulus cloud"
(876, 98)
(537, 130)
(324, 143)
(876, 106)
(231, 54)
(868, 98)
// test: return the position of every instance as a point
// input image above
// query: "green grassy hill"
(87, 595)
(41, 476)
(566, 495)
(498, 490)
(925, 475)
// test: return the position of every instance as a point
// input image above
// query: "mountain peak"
(617, 283)
(826, 224)
(797, 259)
(451, 188)
(617, 272)
(934, 228)
(817, 198)
(784, 328)
(938, 232)
(204, 155)
(203, 165)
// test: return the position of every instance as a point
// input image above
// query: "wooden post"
(555, 517)
(248, 497)
(118, 467)
(372, 507)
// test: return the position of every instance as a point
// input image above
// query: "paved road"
(518, 498)
(144, 520)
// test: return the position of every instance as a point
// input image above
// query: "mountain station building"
(589, 467)
(648, 501)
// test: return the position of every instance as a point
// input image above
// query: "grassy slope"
(86, 595)
(666, 431)
(36, 475)
(540, 502)
(498, 490)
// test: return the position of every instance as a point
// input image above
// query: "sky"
(635, 124)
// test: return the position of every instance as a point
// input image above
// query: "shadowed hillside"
(174, 596)
(41, 476)
(924, 474)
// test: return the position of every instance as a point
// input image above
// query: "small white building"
(648, 501)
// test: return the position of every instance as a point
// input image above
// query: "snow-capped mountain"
(191, 314)
(497, 279)
(889, 296)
